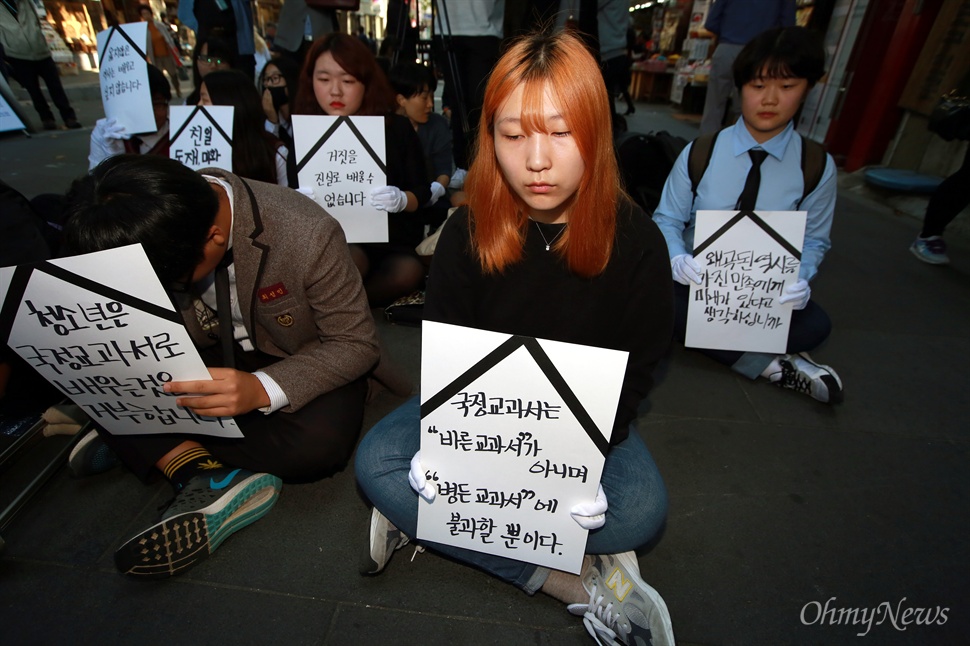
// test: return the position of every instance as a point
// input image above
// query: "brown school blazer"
(300, 294)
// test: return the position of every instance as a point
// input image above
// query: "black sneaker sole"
(835, 390)
(174, 545)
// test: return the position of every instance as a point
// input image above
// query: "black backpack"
(645, 161)
(813, 163)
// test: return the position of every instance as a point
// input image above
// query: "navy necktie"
(749, 196)
(224, 310)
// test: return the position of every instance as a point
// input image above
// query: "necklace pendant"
(547, 247)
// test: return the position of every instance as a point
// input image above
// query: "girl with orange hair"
(549, 246)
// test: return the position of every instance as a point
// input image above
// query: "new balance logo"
(619, 585)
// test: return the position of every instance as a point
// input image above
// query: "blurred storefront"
(77, 22)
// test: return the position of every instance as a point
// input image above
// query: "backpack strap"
(701, 151)
(813, 165)
(698, 159)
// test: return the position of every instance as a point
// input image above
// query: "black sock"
(188, 464)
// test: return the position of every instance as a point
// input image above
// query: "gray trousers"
(720, 88)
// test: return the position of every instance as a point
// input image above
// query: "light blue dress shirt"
(781, 187)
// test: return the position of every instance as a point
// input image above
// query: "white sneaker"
(801, 374)
(930, 250)
(622, 608)
(384, 540)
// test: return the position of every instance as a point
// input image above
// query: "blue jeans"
(634, 490)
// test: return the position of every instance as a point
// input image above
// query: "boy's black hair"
(158, 84)
(156, 201)
(410, 79)
(783, 52)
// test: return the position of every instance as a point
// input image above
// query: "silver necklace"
(549, 243)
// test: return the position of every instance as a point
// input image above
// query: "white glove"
(106, 141)
(388, 198)
(305, 191)
(591, 515)
(797, 294)
(418, 480)
(458, 179)
(112, 129)
(437, 192)
(684, 269)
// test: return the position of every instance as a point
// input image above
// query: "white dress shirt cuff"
(277, 398)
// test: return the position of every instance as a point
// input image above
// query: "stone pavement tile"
(52, 604)
(908, 385)
(47, 162)
(870, 280)
(403, 343)
(311, 542)
(688, 384)
(765, 520)
(379, 625)
(79, 522)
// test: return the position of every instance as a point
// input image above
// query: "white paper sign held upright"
(108, 339)
(514, 433)
(747, 260)
(201, 135)
(124, 77)
(341, 159)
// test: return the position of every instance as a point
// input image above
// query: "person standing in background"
(162, 51)
(615, 45)
(471, 35)
(235, 20)
(735, 23)
(947, 201)
(29, 60)
(298, 26)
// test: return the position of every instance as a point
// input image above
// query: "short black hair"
(783, 52)
(290, 71)
(157, 83)
(409, 79)
(156, 201)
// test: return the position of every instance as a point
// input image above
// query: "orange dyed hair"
(499, 220)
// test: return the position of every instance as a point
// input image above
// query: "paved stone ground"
(779, 505)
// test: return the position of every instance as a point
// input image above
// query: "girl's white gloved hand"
(685, 269)
(388, 198)
(437, 192)
(591, 515)
(419, 482)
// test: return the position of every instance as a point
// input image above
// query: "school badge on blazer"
(286, 320)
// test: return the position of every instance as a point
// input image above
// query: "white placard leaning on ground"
(201, 135)
(341, 159)
(514, 433)
(108, 339)
(747, 260)
(8, 118)
(124, 77)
